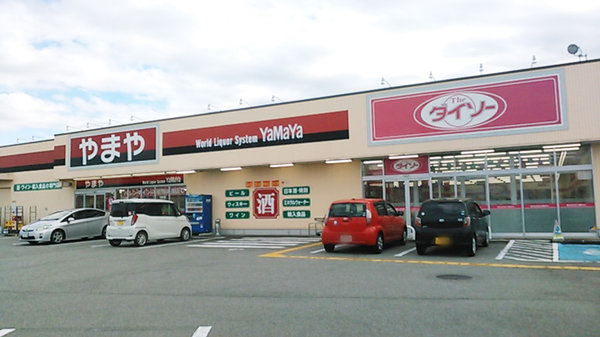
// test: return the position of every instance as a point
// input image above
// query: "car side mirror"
(70, 219)
(485, 212)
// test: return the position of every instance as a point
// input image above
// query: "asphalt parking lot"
(236, 286)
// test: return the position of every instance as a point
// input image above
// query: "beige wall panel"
(327, 183)
(46, 201)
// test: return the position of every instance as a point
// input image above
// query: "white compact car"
(141, 220)
(64, 225)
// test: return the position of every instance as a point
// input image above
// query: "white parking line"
(406, 252)
(160, 245)
(505, 250)
(202, 331)
(317, 251)
(5, 332)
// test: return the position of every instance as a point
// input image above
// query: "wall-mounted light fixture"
(338, 161)
(226, 169)
(281, 165)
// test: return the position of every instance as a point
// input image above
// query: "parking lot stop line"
(202, 331)
(5, 332)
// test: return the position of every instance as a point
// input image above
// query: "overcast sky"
(77, 65)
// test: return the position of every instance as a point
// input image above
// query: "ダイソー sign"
(118, 147)
(487, 107)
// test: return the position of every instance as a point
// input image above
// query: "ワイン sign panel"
(519, 105)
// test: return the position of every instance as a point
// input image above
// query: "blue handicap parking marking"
(579, 252)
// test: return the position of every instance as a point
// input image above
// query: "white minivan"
(141, 220)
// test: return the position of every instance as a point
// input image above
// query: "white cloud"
(90, 61)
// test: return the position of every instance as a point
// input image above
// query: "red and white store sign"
(117, 147)
(266, 203)
(485, 109)
(284, 131)
(162, 179)
(406, 166)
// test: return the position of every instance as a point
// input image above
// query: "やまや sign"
(118, 147)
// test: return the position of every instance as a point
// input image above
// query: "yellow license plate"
(442, 241)
(120, 222)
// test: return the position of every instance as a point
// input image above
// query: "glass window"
(100, 201)
(162, 193)
(441, 164)
(470, 163)
(122, 193)
(178, 196)
(472, 188)
(348, 210)
(576, 201)
(135, 193)
(505, 201)
(78, 200)
(380, 208)
(373, 189)
(443, 187)
(373, 168)
(148, 192)
(573, 155)
(502, 161)
(539, 197)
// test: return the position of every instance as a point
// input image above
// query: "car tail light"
(369, 217)
(467, 221)
(134, 219)
(418, 222)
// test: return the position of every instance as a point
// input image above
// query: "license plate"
(346, 238)
(120, 222)
(442, 240)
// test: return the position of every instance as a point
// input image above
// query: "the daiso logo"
(460, 110)
(406, 165)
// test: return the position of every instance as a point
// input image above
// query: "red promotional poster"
(520, 104)
(406, 166)
(266, 203)
(132, 145)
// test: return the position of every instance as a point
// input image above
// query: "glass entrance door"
(407, 196)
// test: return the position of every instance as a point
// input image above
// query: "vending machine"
(198, 209)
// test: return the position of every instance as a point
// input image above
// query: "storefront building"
(524, 144)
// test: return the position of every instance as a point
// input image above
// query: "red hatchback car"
(372, 222)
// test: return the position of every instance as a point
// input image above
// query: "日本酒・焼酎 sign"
(284, 131)
(484, 108)
(115, 147)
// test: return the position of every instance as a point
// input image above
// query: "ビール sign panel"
(116, 147)
(483, 109)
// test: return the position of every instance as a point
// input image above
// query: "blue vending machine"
(198, 209)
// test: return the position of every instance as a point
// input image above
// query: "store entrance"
(101, 199)
(407, 195)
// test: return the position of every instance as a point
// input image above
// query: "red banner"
(487, 108)
(134, 145)
(406, 166)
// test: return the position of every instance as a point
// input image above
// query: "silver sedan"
(64, 225)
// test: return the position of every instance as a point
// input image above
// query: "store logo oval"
(460, 110)
(406, 165)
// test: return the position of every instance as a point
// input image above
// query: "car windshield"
(443, 208)
(348, 210)
(56, 215)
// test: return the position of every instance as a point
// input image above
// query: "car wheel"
(114, 243)
(329, 247)
(57, 236)
(472, 248)
(141, 238)
(185, 234)
(486, 241)
(103, 235)
(403, 238)
(421, 249)
(378, 248)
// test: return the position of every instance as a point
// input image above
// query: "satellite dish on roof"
(573, 49)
